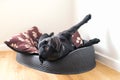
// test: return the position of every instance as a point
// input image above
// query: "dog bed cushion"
(25, 42)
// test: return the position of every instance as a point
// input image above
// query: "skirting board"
(4, 47)
(108, 61)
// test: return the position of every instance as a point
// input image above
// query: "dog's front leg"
(90, 42)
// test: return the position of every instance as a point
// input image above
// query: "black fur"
(52, 48)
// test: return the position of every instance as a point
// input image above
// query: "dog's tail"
(77, 26)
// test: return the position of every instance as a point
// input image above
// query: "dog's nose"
(46, 48)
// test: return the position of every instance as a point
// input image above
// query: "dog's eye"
(45, 42)
(42, 43)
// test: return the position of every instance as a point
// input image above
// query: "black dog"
(52, 48)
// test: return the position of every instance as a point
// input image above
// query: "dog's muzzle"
(56, 41)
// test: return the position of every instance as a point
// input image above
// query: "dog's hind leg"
(76, 27)
(68, 33)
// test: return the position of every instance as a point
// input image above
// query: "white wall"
(105, 25)
(19, 15)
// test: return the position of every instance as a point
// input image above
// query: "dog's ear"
(51, 34)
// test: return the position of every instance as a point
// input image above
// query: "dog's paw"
(95, 40)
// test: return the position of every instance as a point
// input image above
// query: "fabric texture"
(77, 40)
(25, 42)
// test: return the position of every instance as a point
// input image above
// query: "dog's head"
(49, 48)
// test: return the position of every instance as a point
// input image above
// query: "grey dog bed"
(78, 61)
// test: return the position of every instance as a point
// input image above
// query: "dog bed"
(78, 61)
